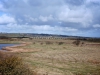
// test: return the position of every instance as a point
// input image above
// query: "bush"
(13, 65)
(77, 42)
(48, 42)
(60, 43)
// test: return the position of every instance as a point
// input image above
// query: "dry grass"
(11, 64)
(62, 57)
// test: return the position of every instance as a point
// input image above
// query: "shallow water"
(6, 45)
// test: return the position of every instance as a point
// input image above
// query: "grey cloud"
(35, 2)
(75, 2)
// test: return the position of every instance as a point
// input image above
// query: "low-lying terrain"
(60, 57)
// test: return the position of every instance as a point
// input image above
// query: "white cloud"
(29, 18)
(58, 16)
(70, 29)
(46, 18)
(11, 27)
(54, 29)
(79, 15)
(25, 1)
(6, 19)
(42, 27)
(88, 1)
(20, 20)
(96, 26)
(1, 7)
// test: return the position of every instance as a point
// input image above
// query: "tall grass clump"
(60, 43)
(13, 65)
(48, 42)
(77, 42)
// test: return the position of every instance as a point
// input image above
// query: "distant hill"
(30, 35)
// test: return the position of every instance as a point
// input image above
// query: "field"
(60, 57)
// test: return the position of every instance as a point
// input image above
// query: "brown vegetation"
(61, 57)
(13, 65)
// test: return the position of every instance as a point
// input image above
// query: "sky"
(64, 17)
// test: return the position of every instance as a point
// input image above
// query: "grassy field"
(61, 57)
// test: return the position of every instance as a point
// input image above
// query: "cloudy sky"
(66, 17)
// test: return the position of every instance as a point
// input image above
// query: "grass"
(62, 57)
(11, 64)
(9, 41)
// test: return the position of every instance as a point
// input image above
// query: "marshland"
(57, 56)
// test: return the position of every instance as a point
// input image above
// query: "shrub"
(77, 42)
(41, 43)
(60, 43)
(48, 42)
(13, 65)
(34, 43)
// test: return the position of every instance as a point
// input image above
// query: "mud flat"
(16, 48)
(6, 45)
